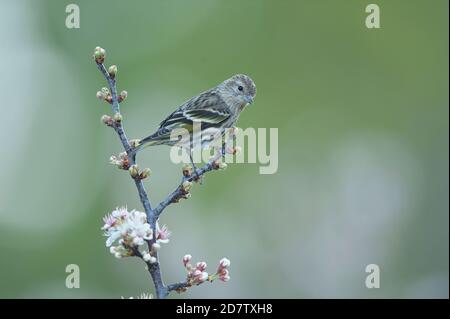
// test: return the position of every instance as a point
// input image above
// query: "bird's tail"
(145, 142)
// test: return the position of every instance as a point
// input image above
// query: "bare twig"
(179, 286)
(178, 192)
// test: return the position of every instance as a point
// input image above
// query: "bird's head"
(238, 90)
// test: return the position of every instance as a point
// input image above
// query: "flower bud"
(100, 95)
(99, 54)
(145, 173)
(112, 70)
(201, 266)
(224, 263)
(163, 234)
(121, 163)
(118, 117)
(156, 246)
(113, 160)
(186, 186)
(107, 120)
(224, 272)
(105, 90)
(123, 155)
(202, 277)
(146, 257)
(187, 170)
(186, 196)
(186, 259)
(122, 96)
(196, 273)
(134, 142)
(134, 170)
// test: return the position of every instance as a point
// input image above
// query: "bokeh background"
(363, 146)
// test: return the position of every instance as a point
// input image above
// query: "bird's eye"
(240, 88)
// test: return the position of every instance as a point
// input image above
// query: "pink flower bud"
(224, 263)
(203, 277)
(186, 259)
(163, 234)
(109, 221)
(200, 277)
(201, 266)
(196, 273)
(224, 272)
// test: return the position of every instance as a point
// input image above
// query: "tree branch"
(179, 286)
(152, 215)
(178, 192)
(154, 268)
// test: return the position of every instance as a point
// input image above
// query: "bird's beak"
(249, 99)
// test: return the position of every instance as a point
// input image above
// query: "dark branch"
(179, 286)
(152, 214)
(154, 269)
(178, 192)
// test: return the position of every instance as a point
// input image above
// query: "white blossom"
(127, 228)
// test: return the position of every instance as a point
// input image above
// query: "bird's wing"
(208, 108)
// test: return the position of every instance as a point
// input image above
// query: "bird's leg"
(223, 150)
(196, 177)
(192, 162)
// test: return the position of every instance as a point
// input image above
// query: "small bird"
(215, 110)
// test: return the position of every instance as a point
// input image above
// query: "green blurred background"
(363, 146)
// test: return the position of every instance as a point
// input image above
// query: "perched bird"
(214, 110)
